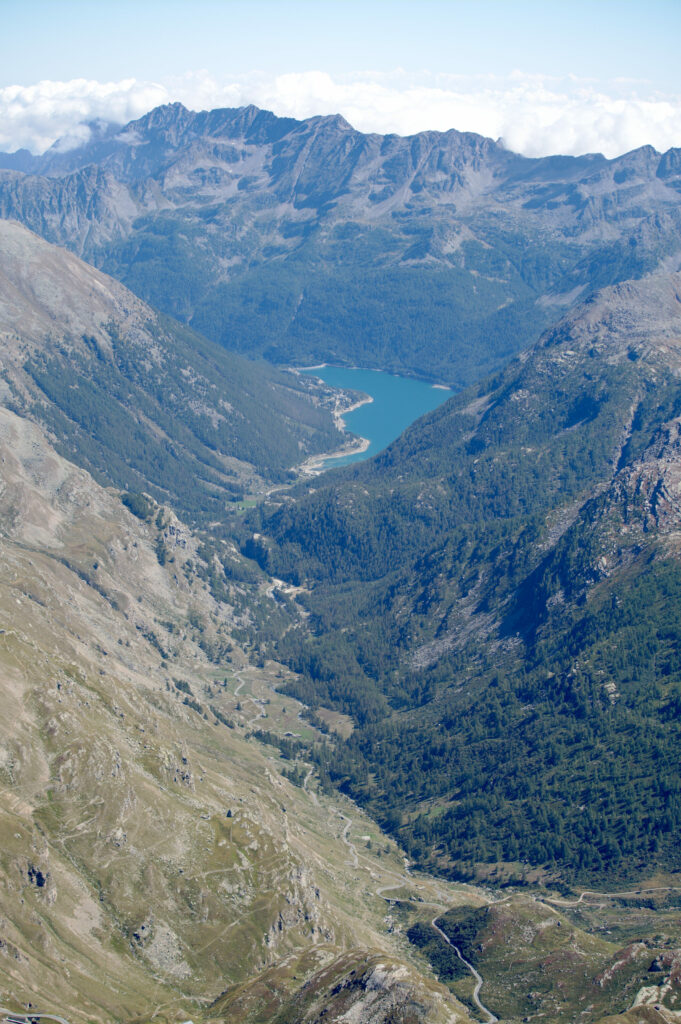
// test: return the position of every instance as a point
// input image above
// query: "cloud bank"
(534, 115)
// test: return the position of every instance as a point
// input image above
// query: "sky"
(558, 76)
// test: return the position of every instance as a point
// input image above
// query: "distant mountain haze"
(441, 254)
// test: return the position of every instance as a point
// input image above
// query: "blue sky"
(64, 39)
(540, 74)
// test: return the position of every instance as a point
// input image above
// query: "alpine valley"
(396, 743)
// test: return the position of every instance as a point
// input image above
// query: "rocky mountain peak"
(164, 116)
(479, 249)
(332, 122)
(670, 164)
(633, 320)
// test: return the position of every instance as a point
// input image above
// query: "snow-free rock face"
(442, 253)
(632, 320)
(367, 989)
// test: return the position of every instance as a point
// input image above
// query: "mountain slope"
(494, 601)
(153, 859)
(139, 399)
(158, 864)
(442, 254)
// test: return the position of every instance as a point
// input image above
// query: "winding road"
(256, 701)
(405, 881)
(608, 895)
(491, 1019)
(312, 795)
(13, 1015)
(344, 837)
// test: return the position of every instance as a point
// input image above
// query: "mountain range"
(341, 748)
(441, 254)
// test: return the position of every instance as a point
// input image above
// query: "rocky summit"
(441, 254)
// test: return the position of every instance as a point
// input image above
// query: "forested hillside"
(494, 602)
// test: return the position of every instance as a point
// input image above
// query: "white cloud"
(35, 116)
(535, 115)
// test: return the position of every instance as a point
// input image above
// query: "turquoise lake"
(397, 402)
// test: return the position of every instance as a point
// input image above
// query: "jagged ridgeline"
(141, 401)
(442, 254)
(494, 600)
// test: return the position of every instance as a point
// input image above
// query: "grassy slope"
(151, 857)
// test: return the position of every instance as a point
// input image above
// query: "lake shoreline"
(404, 375)
(353, 446)
(388, 404)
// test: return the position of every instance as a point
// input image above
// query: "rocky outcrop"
(352, 989)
